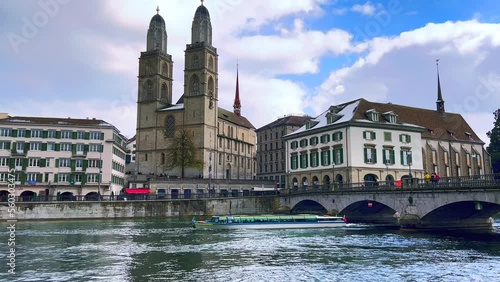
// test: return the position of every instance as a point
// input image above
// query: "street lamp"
(387, 162)
(333, 175)
(100, 173)
(409, 159)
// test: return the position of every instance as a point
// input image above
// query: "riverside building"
(63, 158)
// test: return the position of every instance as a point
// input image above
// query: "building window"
(80, 135)
(338, 155)
(21, 133)
(3, 161)
(294, 145)
(303, 143)
(370, 154)
(36, 133)
(325, 157)
(51, 134)
(325, 138)
(95, 135)
(387, 136)
(406, 157)
(313, 141)
(388, 156)
(95, 147)
(392, 118)
(94, 163)
(294, 162)
(66, 134)
(34, 162)
(20, 147)
(92, 178)
(369, 135)
(337, 136)
(170, 126)
(4, 145)
(405, 138)
(65, 146)
(64, 162)
(303, 161)
(5, 132)
(51, 146)
(35, 146)
(63, 177)
(314, 159)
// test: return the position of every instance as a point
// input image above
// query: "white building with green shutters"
(362, 141)
(65, 157)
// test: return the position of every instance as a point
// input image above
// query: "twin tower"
(196, 110)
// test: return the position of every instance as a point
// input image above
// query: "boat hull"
(279, 225)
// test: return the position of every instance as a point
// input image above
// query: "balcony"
(79, 154)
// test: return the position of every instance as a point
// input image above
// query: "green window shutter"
(374, 135)
(402, 155)
(384, 159)
(23, 177)
(43, 163)
(400, 137)
(73, 148)
(27, 133)
(391, 153)
(85, 149)
(364, 134)
(25, 164)
(44, 146)
(56, 178)
(39, 177)
(365, 150)
(85, 165)
(87, 135)
(73, 165)
(374, 153)
(13, 148)
(57, 147)
(73, 135)
(45, 134)
(334, 153)
(14, 132)
(341, 156)
(12, 163)
(57, 162)
(84, 179)
(102, 135)
(340, 135)
(58, 134)
(26, 147)
(409, 138)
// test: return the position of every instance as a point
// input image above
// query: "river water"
(171, 250)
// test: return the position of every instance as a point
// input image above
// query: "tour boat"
(271, 221)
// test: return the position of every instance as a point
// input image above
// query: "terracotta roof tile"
(234, 118)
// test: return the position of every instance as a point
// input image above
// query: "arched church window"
(164, 69)
(164, 91)
(162, 161)
(196, 62)
(170, 126)
(211, 63)
(195, 85)
(211, 92)
(148, 87)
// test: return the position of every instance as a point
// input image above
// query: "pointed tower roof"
(440, 101)
(237, 103)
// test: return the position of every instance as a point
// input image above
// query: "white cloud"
(366, 9)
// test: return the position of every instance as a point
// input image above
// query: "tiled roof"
(438, 125)
(234, 118)
(291, 120)
(54, 121)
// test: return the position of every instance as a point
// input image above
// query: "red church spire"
(237, 103)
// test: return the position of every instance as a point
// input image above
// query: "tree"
(494, 147)
(181, 151)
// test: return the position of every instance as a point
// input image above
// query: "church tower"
(154, 89)
(201, 85)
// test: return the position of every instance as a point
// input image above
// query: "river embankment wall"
(137, 209)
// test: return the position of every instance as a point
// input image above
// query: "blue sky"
(75, 58)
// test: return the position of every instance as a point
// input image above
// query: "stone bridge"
(447, 206)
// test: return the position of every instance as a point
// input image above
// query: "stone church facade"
(225, 140)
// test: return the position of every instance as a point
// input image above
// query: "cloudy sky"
(75, 58)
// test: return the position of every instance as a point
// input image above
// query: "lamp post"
(333, 174)
(409, 159)
(210, 173)
(387, 161)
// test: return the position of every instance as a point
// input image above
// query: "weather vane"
(158, 9)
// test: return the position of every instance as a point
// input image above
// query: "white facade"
(52, 156)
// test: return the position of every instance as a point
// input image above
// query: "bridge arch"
(308, 207)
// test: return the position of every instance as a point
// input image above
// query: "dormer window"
(391, 117)
(372, 115)
(310, 124)
(332, 117)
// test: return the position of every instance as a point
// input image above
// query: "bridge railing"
(473, 181)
